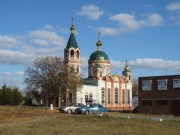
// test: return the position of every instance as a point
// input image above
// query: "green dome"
(98, 55)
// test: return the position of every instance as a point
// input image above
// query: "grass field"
(39, 121)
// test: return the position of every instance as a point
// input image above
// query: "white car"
(71, 107)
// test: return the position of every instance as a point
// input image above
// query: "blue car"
(93, 108)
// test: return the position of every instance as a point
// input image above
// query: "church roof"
(72, 42)
(98, 55)
(90, 81)
(126, 69)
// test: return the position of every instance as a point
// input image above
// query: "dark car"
(71, 107)
(93, 108)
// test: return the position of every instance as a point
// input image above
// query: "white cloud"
(7, 74)
(91, 12)
(15, 57)
(118, 65)
(154, 20)
(128, 22)
(7, 41)
(19, 73)
(46, 38)
(48, 27)
(148, 64)
(50, 43)
(173, 6)
(107, 31)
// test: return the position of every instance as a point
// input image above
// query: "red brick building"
(159, 94)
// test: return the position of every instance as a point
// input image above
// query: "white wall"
(87, 89)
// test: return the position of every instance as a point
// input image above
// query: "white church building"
(112, 91)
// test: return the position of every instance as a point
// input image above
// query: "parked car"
(71, 107)
(93, 108)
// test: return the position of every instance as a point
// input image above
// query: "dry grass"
(28, 121)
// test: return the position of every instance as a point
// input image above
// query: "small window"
(100, 74)
(147, 102)
(86, 98)
(72, 53)
(102, 95)
(109, 95)
(146, 85)
(123, 96)
(77, 69)
(116, 94)
(128, 96)
(94, 73)
(77, 54)
(90, 97)
(162, 102)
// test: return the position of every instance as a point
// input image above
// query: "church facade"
(112, 91)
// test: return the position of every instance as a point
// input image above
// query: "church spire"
(72, 26)
(72, 40)
(99, 44)
(126, 64)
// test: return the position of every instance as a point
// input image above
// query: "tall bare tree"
(52, 76)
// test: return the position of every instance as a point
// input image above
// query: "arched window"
(90, 97)
(102, 96)
(86, 98)
(109, 95)
(128, 96)
(100, 73)
(123, 96)
(116, 95)
(70, 97)
(72, 53)
(94, 73)
(77, 69)
(129, 77)
(77, 54)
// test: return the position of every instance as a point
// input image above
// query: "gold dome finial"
(99, 42)
(72, 25)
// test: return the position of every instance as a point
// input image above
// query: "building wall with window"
(159, 94)
(113, 92)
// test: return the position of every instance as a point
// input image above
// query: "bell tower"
(72, 51)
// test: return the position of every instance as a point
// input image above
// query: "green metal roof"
(98, 55)
(89, 81)
(72, 42)
(125, 71)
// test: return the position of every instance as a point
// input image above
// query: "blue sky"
(146, 33)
